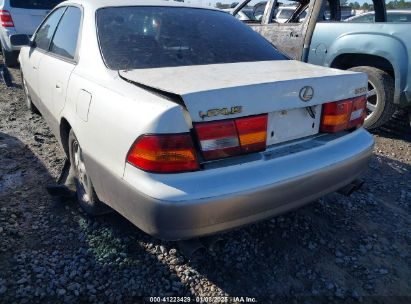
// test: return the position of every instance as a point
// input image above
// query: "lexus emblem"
(306, 93)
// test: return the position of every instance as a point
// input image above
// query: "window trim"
(33, 38)
(48, 51)
(78, 42)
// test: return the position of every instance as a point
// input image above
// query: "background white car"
(185, 120)
(392, 16)
(285, 12)
(243, 15)
(20, 17)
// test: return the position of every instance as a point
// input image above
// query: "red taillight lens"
(169, 153)
(252, 132)
(220, 139)
(5, 19)
(343, 115)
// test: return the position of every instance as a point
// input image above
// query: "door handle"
(58, 86)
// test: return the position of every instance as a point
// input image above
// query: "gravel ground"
(337, 249)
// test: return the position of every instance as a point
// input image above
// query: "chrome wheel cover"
(26, 92)
(81, 173)
(372, 101)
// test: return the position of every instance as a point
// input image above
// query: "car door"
(40, 46)
(286, 34)
(58, 64)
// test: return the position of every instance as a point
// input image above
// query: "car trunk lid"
(252, 87)
(289, 95)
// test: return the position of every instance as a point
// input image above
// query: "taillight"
(252, 132)
(220, 139)
(169, 153)
(5, 19)
(343, 115)
(358, 112)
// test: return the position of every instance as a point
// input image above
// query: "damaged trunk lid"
(256, 87)
(290, 92)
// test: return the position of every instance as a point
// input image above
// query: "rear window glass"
(152, 37)
(35, 4)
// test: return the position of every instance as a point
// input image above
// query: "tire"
(10, 58)
(380, 97)
(86, 194)
(29, 104)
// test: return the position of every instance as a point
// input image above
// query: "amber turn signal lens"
(169, 153)
(343, 115)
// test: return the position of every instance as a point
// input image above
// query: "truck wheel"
(29, 104)
(380, 96)
(10, 58)
(86, 194)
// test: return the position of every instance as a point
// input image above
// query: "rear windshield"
(35, 4)
(152, 37)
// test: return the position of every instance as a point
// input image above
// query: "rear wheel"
(86, 194)
(10, 58)
(380, 96)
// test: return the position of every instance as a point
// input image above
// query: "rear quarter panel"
(119, 112)
(391, 41)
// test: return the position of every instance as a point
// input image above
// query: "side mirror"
(20, 40)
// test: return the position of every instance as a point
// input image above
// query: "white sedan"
(185, 120)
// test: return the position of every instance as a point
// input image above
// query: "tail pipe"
(191, 248)
(351, 187)
(195, 247)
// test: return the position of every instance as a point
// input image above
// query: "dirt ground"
(337, 249)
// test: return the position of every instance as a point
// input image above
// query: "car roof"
(399, 11)
(97, 4)
(388, 12)
(405, 11)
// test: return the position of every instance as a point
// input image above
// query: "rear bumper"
(201, 203)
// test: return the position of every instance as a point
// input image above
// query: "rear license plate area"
(292, 124)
